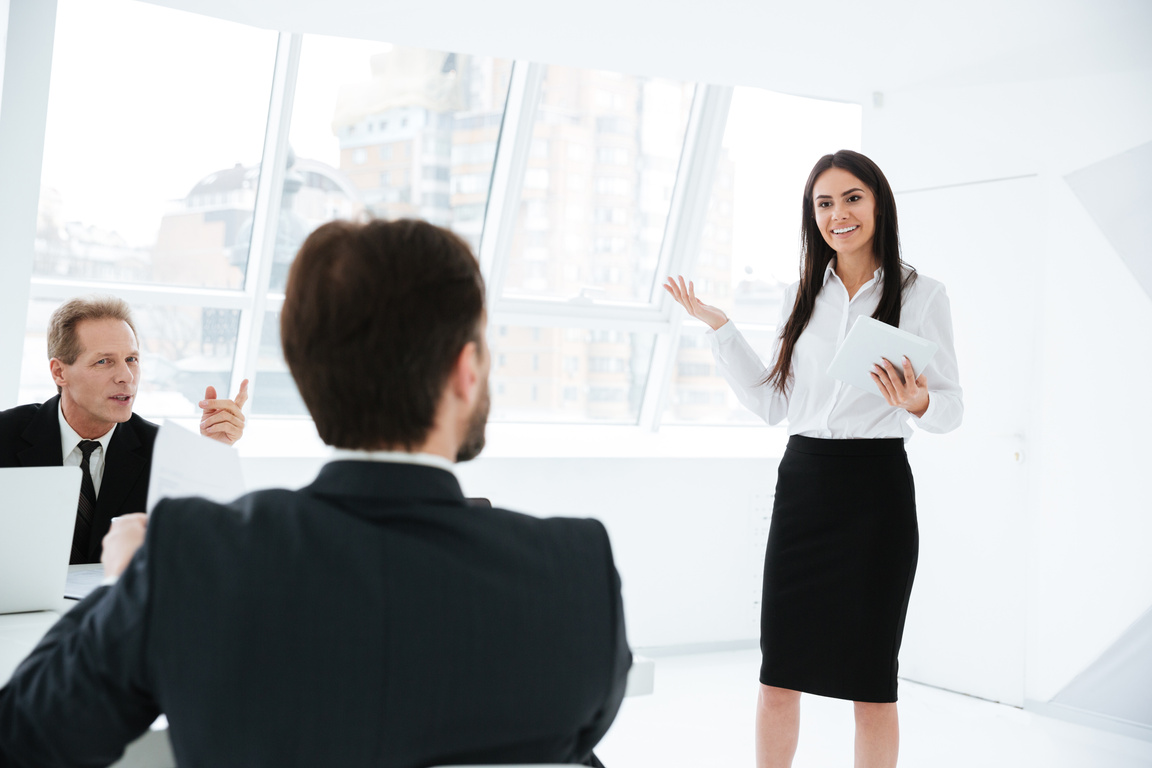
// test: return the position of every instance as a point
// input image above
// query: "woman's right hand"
(685, 296)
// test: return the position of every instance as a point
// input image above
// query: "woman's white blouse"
(818, 405)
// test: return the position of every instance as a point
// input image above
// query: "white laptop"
(37, 518)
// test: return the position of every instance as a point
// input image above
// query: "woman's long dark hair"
(815, 254)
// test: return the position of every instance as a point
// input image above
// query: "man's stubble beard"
(474, 440)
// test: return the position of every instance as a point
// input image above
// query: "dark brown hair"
(815, 253)
(64, 342)
(375, 315)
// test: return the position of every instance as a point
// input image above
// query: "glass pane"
(698, 394)
(152, 146)
(35, 378)
(396, 132)
(182, 350)
(384, 131)
(273, 389)
(596, 194)
(578, 375)
(749, 252)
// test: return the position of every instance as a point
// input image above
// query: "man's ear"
(57, 369)
(466, 373)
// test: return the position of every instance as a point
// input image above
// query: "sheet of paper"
(185, 463)
(82, 579)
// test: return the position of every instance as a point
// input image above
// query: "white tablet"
(868, 343)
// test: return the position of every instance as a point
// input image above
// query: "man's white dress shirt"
(817, 405)
(394, 457)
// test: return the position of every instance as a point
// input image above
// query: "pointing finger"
(242, 396)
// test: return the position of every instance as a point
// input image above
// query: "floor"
(701, 715)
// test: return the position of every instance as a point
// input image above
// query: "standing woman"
(843, 542)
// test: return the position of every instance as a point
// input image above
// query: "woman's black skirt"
(839, 568)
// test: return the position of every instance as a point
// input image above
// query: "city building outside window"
(384, 130)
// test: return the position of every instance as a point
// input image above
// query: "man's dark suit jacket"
(30, 437)
(372, 618)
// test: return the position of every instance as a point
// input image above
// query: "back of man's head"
(374, 318)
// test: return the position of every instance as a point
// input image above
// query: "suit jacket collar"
(125, 461)
(387, 480)
(43, 437)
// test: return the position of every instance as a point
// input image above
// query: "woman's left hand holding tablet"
(900, 388)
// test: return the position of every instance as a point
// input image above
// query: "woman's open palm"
(685, 295)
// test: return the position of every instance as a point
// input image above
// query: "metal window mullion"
(266, 216)
(508, 169)
(591, 322)
(559, 308)
(686, 217)
(47, 288)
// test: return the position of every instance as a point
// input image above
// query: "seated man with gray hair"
(94, 359)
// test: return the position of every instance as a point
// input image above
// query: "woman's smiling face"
(845, 212)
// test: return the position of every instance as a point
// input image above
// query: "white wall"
(966, 627)
(683, 530)
(1091, 574)
(1084, 546)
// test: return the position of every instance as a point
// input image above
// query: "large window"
(568, 374)
(750, 244)
(186, 186)
(698, 394)
(150, 174)
(598, 187)
(378, 130)
(150, 171)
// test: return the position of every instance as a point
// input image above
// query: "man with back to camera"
(94, 358)
(371, 618)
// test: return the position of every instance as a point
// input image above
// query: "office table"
(19, 633)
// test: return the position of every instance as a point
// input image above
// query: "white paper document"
(188, 464)
(869, 342)
(82, 579)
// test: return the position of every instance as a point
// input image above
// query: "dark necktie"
(87, 505)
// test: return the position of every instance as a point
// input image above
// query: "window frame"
(678, 251)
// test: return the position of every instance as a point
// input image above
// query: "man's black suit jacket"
(30, 437)
(372, 618)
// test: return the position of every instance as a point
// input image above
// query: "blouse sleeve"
(741, 367)
(945, 397)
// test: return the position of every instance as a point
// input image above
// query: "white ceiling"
(832, 49)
